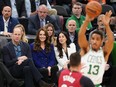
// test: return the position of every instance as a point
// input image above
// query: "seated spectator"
(63, 50)
(39, 20)
(76, 15)
(32, 6)
(73, 36)
(23, 38)
(72, 77)
(44, 56)
(7, 23)
(18, 8)
(50, 29)
(18, 59)
(6, 76)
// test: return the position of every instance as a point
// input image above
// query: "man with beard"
(7, 22)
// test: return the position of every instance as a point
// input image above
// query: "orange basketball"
(93, 9)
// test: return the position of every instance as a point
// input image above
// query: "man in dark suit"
(7, 23)
(17, 57)
(39, 20)
(18, 7)
(4, 74)
(32, 5)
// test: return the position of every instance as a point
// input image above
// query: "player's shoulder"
(86, 82)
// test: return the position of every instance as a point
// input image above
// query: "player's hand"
(107, 66)
(88, 18)
(106, 18)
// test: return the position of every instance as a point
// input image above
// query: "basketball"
(93, 9)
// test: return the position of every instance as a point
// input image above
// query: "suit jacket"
(62, 61)
(75, 40)
(34, 24)
(20, 5)
(11, 24)
(9, 55)
(42, 59)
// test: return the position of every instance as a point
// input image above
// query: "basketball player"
(72, 77)
(94, 57)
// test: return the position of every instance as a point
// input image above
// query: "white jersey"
(93, 65)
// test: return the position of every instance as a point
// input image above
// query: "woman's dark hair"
(37, 44)
(59, 45)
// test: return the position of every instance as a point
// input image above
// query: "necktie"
(42, 24)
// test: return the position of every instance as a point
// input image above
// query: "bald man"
(40, 19)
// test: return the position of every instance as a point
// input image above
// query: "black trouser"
(28, 71)
(47, 78)
(4, 73)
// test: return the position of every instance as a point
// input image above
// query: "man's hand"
(23, 58)
(7, 34)
(19, 62)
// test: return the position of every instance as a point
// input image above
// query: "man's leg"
(6, 73)
(28, 78)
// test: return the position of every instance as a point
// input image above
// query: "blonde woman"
(23, 38)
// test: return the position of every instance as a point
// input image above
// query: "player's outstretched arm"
(82, 40)
(110, 36)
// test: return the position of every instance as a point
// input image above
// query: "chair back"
(60, 10)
